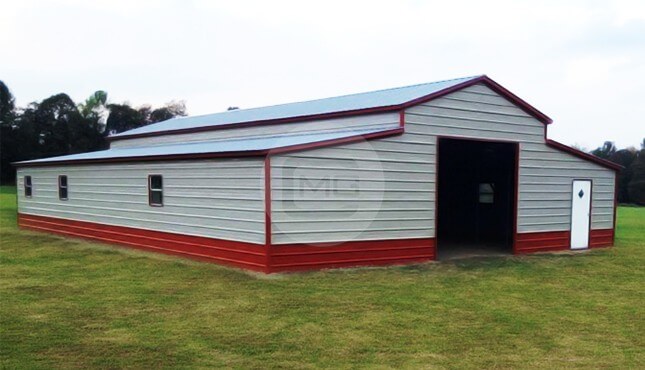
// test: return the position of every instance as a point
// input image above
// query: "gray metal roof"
(216, 146)
(374, 99)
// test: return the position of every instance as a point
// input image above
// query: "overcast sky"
(580, 62)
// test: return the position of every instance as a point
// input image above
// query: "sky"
(580, 62)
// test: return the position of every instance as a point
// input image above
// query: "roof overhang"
(286, 148)
(580, 154)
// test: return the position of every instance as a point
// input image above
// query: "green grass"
(73, 304)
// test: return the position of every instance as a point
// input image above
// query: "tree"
(94, 105)
(123, 117)
(168, 111)
(605, 151)
(625, 158)
(55, 126)
(8, 147)
(636, 186)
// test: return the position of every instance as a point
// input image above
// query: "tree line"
(631, 179)
(59, 126)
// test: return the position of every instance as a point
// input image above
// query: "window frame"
(151, 190)
(61, 187)
(30, 186)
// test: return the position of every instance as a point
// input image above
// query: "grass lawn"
(73, 304)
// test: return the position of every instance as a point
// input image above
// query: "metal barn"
(393, 176)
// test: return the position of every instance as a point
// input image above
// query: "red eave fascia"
(583, 155)
(384, 109)
(253, 153)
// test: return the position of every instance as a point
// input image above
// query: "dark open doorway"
(476, 197)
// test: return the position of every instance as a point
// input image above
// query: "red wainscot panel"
(601, 238)
(542, 242)
(240, 254)
(298, 257)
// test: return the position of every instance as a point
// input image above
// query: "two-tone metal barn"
(385, 177)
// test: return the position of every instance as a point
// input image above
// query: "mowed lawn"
(74, 304)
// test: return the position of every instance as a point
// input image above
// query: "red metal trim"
(240, 254)
(493, 86)
(583, 155)
(292, 257)
(590, 212)
(402, 118)
(613, 226)
(299, 257)
(481, 79)
(544, 241)
(267, 212)
(526, 107)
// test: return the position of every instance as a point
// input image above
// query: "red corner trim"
(583, 155)
(402, 118)
(613, 226)
(389, 108)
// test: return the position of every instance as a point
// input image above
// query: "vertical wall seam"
(267, 211)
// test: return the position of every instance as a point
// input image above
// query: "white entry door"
(580, 209)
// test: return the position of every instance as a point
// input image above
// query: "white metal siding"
(381, 189)
(395, 177)
(375, 121)
(546, 177)
(212, 198)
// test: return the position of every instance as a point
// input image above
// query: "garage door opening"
(476, 198)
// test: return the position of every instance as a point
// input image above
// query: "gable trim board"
(417, 130)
